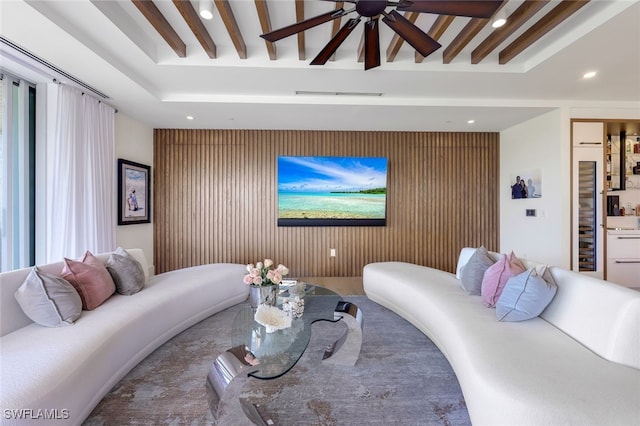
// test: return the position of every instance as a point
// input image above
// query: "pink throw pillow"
(90, 278)
(496, 277)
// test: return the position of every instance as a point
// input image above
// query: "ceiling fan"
(372, 9)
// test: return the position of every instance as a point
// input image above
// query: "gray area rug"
(400, 378)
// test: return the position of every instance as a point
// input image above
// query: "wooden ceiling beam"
(335, 26)
(265, 25)
(230, 23)
(514, 21)
(435, 32)
(302, 55)
(162, 26)
(396, 40)
(192, 19)
(552, 19)
(467, 34)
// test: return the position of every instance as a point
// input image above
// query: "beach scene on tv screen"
(332, 187)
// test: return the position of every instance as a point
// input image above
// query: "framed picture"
(527, 184)
(134, 188)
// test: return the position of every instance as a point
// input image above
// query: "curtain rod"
(53, 67)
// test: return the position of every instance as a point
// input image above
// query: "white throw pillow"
(49, 300)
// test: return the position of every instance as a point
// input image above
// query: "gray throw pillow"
(126, 272)
(48, 300)
(473, 272)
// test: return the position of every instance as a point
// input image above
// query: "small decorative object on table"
(293, 306)
(272, 318)
(264, 279)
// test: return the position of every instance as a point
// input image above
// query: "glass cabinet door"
(587, 223)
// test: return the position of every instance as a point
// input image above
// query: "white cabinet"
(588, 134)
(587, 199)
(623, 258)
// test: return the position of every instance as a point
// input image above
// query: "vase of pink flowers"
(263, 279)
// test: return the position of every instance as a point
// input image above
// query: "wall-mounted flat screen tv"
(332, 191)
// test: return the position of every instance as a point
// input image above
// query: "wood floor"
(344, 286)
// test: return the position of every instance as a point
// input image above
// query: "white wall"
(134, 142)
(540, 143)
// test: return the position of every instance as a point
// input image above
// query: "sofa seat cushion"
(510, 372)
(92, 355)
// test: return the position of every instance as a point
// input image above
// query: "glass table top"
(273, 354)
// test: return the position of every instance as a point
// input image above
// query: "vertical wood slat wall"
(215, 199)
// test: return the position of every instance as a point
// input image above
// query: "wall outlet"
(332, 252)
(531, 212)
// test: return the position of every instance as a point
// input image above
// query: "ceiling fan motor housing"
(371, 8)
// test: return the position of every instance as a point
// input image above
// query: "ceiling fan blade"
(371, 44)
(473, 8)
(303, 25)
(413, 35)
(335, 42)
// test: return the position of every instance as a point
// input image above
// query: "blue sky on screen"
(323, 174)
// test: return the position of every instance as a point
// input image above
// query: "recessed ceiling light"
(589, 74)
(189, 117)
(206, 9)
(471, 121)
(499, 23)
(500, 19)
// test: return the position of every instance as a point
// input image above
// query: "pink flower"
(283, 270)
(262, 273)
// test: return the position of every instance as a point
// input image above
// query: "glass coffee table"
(261, 355)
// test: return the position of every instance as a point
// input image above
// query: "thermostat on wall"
(531, 212)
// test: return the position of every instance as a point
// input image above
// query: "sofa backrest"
(11, 316)
(602, 316)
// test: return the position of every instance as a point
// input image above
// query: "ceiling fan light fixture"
(205, 8)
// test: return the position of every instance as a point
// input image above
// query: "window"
(17, 174)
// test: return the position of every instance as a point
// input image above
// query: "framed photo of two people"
(527, 184)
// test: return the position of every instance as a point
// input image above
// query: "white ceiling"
(112, 47)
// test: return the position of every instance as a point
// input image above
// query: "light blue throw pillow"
(525, 296)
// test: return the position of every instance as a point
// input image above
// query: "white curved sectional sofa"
(58, 375)
(576, 364)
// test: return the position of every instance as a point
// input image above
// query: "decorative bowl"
(272, 318)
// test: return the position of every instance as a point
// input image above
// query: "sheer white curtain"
(81, 200)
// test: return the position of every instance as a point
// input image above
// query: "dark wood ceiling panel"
(551, 20)
(265, 25)
(230, 23)
(162, 26)
(197, 27)
(514, 21)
